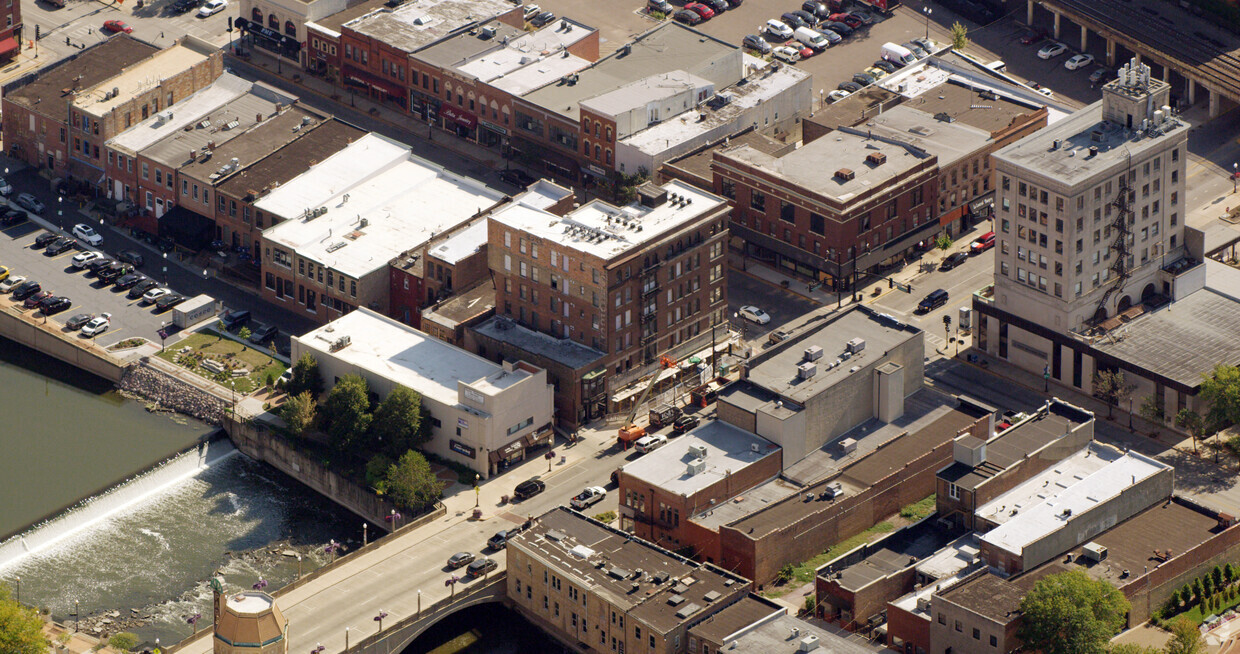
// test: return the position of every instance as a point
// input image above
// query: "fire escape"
(650, 314)
(1120, 247)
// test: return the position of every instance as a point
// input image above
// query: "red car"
(117, 26)
(848, 19)
(807, 52)
(1033, 37)
(700, 9)
(983, 243)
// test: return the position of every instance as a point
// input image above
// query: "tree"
(1229, 573)
(1071, 613)
(376, 472)
(1111, 387)
(244, 333)
(299, 413)
(1132, 648)
(1185, 638)
(410, 482)
(960, 36)
(124, 641)
(346, 413)
(1217, 574)
(399, 423)
(1199, 591)
(21, 629)
(305, 377)
(1221, 391)
(785, 574)
(1191, 422)
(1152, 410)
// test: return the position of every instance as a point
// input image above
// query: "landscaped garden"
(225, 361)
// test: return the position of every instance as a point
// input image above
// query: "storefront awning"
(8, 46)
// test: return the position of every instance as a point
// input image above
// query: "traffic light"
(38, 32)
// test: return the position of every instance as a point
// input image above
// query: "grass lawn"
(1195, 615)
(209, 344)
(918, 510)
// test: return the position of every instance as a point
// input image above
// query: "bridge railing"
(381, 642)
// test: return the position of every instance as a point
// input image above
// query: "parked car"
(817, 8)
(754, 314)
(778, 29)
(168, 301)
(831, 37)
(934, 300)
(589, 497)
(29, 203)
(5, 187)
(662, 6)
(131, 257)
(864, 79)
(531, 11)
(1078, 61)
(916, 49)
(42, 240)
(154, 295)
(735, 3)
(792, 20)
(781, 335)
(1052, 50)
(839, 28)
(25, 290)
(96, 264)
(500, 540)
(885, 66)
(1099, 75)
(234, 320)
(529, 488)
(807, 17)
(55, 304)
(212, 7)
(4, 273)
(875, 72)
(648, 444)
(183, 6)
(12, 282)
(687, 17)
(926, 44)
(117, 26)
(97, 325)
(700, 9)
(953, 260)
(849, 87)
(1033, 36)
(141, 289)
(12, 217)
(787, 53)
(718, 6)
(460, 559)
(129, 281)
(983, 243)
(80, 260)
(684, 424)
(59, 246)
(837, 95)
(479, 568)
(757, 43)
(542, 19)
(517, 177)
(36, 299)
(114, 272)
(264, 335)
(78, 321)
(865, 17)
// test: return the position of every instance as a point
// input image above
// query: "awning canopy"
(8, 46)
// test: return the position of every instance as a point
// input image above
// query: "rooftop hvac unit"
(876, 158)
(697, 451)
(1095, 552)
(845, 174)
(808, 644)
(856, 345)
(813, 353)
(848, 446)
(487, 32)
(696, 466)
(923, 604)
(807, 370)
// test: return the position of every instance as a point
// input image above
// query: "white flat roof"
(956, 556)
(606, 231)
(1092, 489)
(223, 90)
(249, 602)
(408, 357)
(143, 76)
(728, 450)
(543, 194)
(1047, 483)
(530, 61)
(403, 200)
(462, 244)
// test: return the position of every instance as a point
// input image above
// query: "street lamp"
(476, 489)
(379, 618)
(60, 210)
(19, 589)
(163, 335)
(346, 638)
(299, 566)
(1235, 170)
(364, 527)
(332, 548)
(1130, 414)
(193, 622)
(394, 518)
(927, 11)
(165, 268)
(419, 602)
(77, 615)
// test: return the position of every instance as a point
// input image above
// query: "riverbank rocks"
(165, 392)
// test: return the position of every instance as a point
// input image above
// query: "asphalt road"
(784, 307)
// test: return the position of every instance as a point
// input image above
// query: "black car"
(168, 301)
(129, 281)
(684, 424)
(755, 42)
(55, 304)
(934, 300)
(481, 567)
(264, 335)
(95, 265)
(851, 87)
(131, 257)
(817, 8)
(44, 239)
(687, 17)
(26, 289)
(884, 65)
(837, 27)
(12, 217)
(184, 6)
(58, 246)
(234, 320)
(114, 272)
(719, 6)
(516, 177)
(793, 20)
(140, 289)
(542, 19)
(735, 3)
(809, 17)
(78, 321)
(864, 79)
(529, 488)
(954, 260)
(36, 299)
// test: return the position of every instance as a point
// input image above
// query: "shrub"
(1229, 572)
(810, 603)
(606, 517)
(124, 641)
(785, 574)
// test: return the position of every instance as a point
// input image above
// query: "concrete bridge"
(398, 636)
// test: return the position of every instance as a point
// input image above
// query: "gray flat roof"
(738, 617)
(1014, 444)
(561, 350)
(258, 142)
(778, 373)
(772, 637)
(464, 305)
(949, 141)
(84, 71)
(1181, 341)
(670, 46)
(897, 551)
(327, 138)
(729, 450)
(991, 113)
(462, 47)
(419, 23)
(755, 499)
(246, 111)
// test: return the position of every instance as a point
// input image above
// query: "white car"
(8, 284)
(837, 95)
(787, 53)
(80, 260)
(1047, 92)
(97, 325)
(212, 7)
(778, 29)
(647, 444)
(755, 314)
(1052, 50)
(531, 11)
(87, 233)
(154, 294)
(1079, 61)
(588, 497)
(5, 187)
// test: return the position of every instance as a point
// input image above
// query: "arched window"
(257, 16)
(273, 22)
(289, 28)
(608, 156)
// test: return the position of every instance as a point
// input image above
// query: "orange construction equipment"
(631, 431)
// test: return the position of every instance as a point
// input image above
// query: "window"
(757, 201)
(942, 619)
(787, 212)
(977, 634)
(994, 642)
(953, 491)
(727, 189)
(959, 627)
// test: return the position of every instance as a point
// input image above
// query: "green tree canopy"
(410, 482)
(305, 377)
(1071, 613)
(21, 629)
(299, 412)
(1112, 387)
(1132, 648)
(1185, 638)
(1221, 391)
(398, 425)
(346, 413)
(960, 36)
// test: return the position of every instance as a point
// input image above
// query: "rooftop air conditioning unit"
(696, 466)
(844, 174)
(813, 353)
(856, 345)
(808, 644)
(876, 158)
(848, 446)
(1095, 552)
(807, 370)
(923, 604)
(698, 451)
(487, 32)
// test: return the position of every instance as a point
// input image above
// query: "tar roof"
(671, 589)
(698, 163)
(256, 143)
(1183, 341)
(419, 23)
(755, 499)
(896, 552)
(777, 372)
(741, 616)
(84, 71)
(326, 139)
(139, 78)
(994, 597)
(464, 305)
(1025, 438)
(671, 46)
(605, 231)
(465, 46)
(226, 88)
(990, 111)
(407, 356)
(213, 130)
(1171, 527)
(728, 450)
(564, 351)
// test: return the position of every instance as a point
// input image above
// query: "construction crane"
(630, 431)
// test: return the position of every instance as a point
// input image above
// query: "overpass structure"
(398, 636)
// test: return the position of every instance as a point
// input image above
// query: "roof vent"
(876, 158)
(1056, 143)
(844, 174)
(1093, 151)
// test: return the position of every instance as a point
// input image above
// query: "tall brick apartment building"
(636, 282)
(11, 31)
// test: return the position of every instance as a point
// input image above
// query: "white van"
(811, 38)
(898, 54)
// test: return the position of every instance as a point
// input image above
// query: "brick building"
(11, 33)
(597, 589)
(757, 624)
(436, 269)
(448, 319)
(324, 49)
(635, 282)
